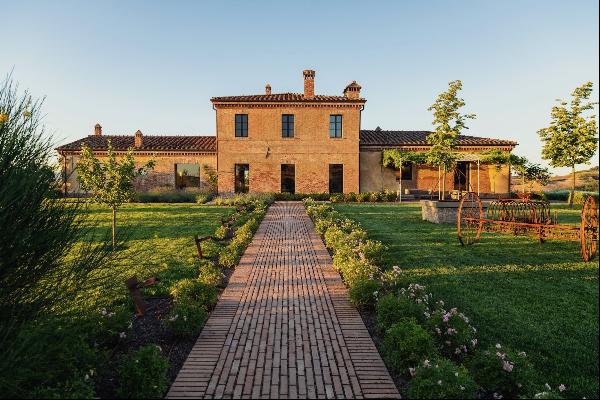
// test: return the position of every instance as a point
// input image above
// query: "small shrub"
(336, 198)
(405, 344)
(210, 274)
(363, 293)
(453, 332)
(144, 374)
(441, 379)
(354, 270)
(350, 197)
(392, 308)
(49, 358)
(204, 198)
(579, 197)
(503, 372)
(192, 291)
(186, 320)
(374, 197)
(362, 197)
(392, 279)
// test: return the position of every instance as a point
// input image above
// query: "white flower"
(522, 354)
(103, 312)
(498, 346)
(497, 395)
(87, 377)
(439, 382)
(412, 371)
(159, 348)
(562, 388)
(426, 364)
(462, 387)
(122, 335)
(456, 374)
(547, 386)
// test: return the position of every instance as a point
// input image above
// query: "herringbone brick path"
(283, 327)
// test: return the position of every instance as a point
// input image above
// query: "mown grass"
(538, 298)
(157, 241)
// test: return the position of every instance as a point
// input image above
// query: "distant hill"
(585, 180)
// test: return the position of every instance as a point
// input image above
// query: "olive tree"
(110, 182)
(449, 123)
(572, 137)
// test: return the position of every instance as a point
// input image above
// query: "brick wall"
(162, 176)
(373, 177)
(311, 149)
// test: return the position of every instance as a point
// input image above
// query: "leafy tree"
(572, 137)
(110, 182)
(535, 173)
(449, 123)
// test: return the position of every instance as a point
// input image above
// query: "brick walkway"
(284, 328)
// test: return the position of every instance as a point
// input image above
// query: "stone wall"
(441, 212)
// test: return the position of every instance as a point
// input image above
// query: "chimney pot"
(98, 130)
(309, 83)
(268, 89)
(138, 139)
(352, 91)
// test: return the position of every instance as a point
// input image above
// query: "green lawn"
(541, 299)
(159, 242)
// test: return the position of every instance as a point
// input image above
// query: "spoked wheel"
(470, 213)
(589, 229)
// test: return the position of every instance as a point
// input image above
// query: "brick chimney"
(268, 89)
(352, 91)
(98, 130)
(309, 83)
(138, 139)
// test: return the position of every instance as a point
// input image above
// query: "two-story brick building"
(293, 142)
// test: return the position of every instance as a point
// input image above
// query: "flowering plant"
(453, 331)
(441, 379)
(503, 372)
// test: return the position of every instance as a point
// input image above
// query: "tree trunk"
(572, 189)
(444, 184)
(114, 227)
(439, 186)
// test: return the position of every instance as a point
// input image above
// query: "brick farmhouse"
(293, 142)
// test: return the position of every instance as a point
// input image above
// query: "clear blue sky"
(154, 65)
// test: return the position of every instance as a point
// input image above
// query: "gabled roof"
(285, 97)
(381, 138)
(149, 143)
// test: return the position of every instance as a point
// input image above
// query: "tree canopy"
(572, 137)
(109, 182)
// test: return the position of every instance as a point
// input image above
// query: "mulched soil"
(148, 329)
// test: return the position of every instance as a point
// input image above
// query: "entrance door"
(288, 178)
(242, 178)
(336, 178)
(461, 176)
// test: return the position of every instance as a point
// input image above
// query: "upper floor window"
(335, 126)
(287, 125)
(241, 125)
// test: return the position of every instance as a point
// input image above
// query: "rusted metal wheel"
(470, 213)
(589, 229)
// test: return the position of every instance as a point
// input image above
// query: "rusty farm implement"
(525, 217)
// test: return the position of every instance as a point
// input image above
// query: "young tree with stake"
(449, 123)
(572, 137)
(109, 182)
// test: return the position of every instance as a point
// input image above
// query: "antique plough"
(524, 217)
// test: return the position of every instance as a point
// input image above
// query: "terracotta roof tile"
(380, 137)
(149, 143)
(285, 97)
